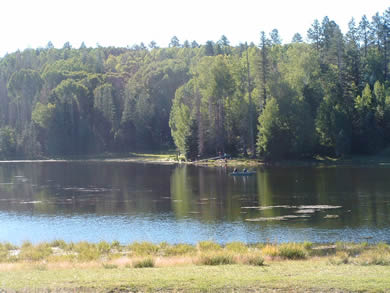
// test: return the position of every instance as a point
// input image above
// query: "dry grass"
(59, 254)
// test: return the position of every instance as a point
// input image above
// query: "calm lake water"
(93, 201)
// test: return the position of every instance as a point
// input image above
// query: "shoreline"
(142, 266)
(170, 159)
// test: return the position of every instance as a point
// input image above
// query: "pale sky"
(33, 23)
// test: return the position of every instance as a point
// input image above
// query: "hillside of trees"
(329, 96)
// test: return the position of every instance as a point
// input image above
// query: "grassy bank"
(235, 266)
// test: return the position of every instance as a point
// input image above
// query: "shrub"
(340, 258)
(216, 259)
(35, 253)
(209, 246)
(270, 250)
(9, 246)
(59, 243)
(307, 245)
(143, 248)
(374, 257)
(180, 249)
(145, 263)
(4, 253)
(116, 245)
(292, 251)
(103, 247)
(253, 260)
(86, 251)
(237, 247)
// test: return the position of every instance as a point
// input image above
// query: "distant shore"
(170, 158)
(142, 266)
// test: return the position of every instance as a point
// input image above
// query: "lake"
(95, 200)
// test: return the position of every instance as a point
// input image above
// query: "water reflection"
(128, 202)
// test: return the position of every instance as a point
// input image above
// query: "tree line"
(329, 96)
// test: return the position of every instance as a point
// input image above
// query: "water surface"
(93, 201)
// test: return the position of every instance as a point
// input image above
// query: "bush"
(340, 258)
(143, 248)
(374, 257)
(180, 249)
(209, 246)
(253, 260)
(292, 251)
(270, 250)
(237, 247)
(59, 243)
(145, 263)
(115, 245)
(216, 259)
(103, 247)
(86, 251)
(35, 253)
(4, 253)
(307, 245)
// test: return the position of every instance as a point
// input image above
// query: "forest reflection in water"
(101, 200)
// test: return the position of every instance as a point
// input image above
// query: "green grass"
(287, 276)
(205, 266)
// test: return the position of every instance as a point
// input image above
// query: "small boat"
(248, 173)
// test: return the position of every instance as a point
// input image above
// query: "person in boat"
(245, 170)
(235, 170)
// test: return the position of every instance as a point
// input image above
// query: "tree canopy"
(329, 96)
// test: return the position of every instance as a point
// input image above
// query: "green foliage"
(272, 136)
(42, 114)
(8, 142)
(329, 96)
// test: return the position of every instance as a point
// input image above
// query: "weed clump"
(292, 251)
(270, 250)
(86, 251)
(179, 249)
(103, 247)
(208, 246)
(253, 260)
(59, 243)
(236, 247)
(340, 258)
(39, 252)
(216, 259)
(143, 248)
(145, 263)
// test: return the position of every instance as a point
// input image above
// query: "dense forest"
(329, 95)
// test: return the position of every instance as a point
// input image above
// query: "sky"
(33, 23)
